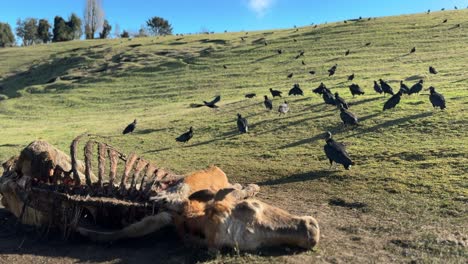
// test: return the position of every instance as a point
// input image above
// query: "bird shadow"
(303, 141)
(265, 58)
(156, 150)
(390, 123)
(367, 117)
(148, 131)
(223, 137)
(364, 101)
(306, 176)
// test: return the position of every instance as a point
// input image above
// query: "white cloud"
(260, 6)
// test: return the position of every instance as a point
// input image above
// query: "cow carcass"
(45, 187)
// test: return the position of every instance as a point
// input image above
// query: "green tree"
(74, 23)
(61, 31)
(106, 29)
(125, 34)
(27, 31)
(43, 31)
(159, 26)
(6, 35)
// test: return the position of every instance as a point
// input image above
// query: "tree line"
(35, 31)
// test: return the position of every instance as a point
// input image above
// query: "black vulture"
(368, 43)
(432, 70)
(275, 93)
(393, 101)
(185, 137)
(442, 9)
(339, 101)
(320, 89)
(279, 51)
(328, 97)
(242, 124)
(386, 88)
(347, 53)
(404, 89)
(413, 50)
(416, 88)
(250, 95)
(130, 127)
(312, 72)
(347, 117)
(300, 55)
(377, 88)
(332, 70)
(455, 7)
(290, 75)
(437, 99)
(268, 103)
(445, 21)
(295, 40)
(211, 104)
(303, 63)
(296, 90)
(224, 66)
(428, 11)
(351, 77)
(266, 43)
(283, 108)
(242, 38)
(355, 89)
(336, 152)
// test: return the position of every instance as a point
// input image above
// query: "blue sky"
(219, 15)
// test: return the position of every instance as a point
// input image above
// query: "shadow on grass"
(148, 131)
(303, 141)
(40, 74)
(364, 101)
(307, 176)
(390, 123)
(156, 150)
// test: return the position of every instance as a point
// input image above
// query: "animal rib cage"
(65, 199)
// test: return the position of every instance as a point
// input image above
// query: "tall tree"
(142, 33)
(159, 26)
(43, 31)
(75, 26)
(27, 31)
(61, 30)
(106, 29)
(116, 31)
(6, 35)
(93, 17)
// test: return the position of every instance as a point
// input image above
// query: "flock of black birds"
(335, 151)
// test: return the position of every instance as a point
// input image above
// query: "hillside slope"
(406, 198)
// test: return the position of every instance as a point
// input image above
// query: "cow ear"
(221, 194)
(202, 196)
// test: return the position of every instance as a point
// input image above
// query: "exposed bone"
(141, 164)
(153, 182)
(101, 162)
(128, 167)
(149, 172)
(74, 162)
(88, 161)
(113, 156)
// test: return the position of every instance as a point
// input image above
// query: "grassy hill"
(406, 198)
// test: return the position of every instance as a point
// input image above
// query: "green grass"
(411, 162)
